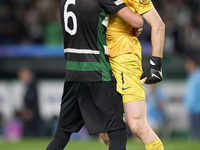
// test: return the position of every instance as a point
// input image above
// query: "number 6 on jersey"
(68, 14)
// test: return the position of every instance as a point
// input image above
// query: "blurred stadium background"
(31, 36)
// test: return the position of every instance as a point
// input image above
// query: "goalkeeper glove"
(153, 74)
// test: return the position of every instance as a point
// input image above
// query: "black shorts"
(96, 104)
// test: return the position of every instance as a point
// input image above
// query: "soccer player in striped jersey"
(125, 58)
(90, 97)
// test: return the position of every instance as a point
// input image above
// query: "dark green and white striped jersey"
(84, 25)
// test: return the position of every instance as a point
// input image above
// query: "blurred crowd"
(37, 21)
(182, 20)
(30, 22)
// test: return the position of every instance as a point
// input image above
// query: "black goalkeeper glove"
(153, 74)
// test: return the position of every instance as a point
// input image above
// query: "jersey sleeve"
(141, 6)
(112, 6)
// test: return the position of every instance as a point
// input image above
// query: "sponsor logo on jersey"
(144, 2)
(118, 2)
(126, 88)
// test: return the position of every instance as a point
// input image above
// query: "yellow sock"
(155, 145)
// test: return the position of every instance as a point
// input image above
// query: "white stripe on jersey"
(106, 49)
(106, 21)
(81, 51)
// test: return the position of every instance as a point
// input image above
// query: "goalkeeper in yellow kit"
(125, 58)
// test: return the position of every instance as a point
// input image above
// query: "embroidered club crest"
(145, 2)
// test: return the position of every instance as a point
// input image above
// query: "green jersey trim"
(101, 43)
(85, 66)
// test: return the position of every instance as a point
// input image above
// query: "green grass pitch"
(94, 144)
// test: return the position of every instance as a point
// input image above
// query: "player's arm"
(154, 73)
(132, 18)
(157, 31)
(121, 10)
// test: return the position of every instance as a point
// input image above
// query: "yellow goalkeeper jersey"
(120, 39)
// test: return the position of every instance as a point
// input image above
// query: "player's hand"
(137, 32)
(153, 74)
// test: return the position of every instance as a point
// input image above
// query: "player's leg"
(102, 111)
(70, 118)
(118, 139)
(137, 121)
(115, 139)
(105, 138)
(59, 140)
(127, 69)
(139, 126)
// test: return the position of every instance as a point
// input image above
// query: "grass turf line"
(94, 144)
